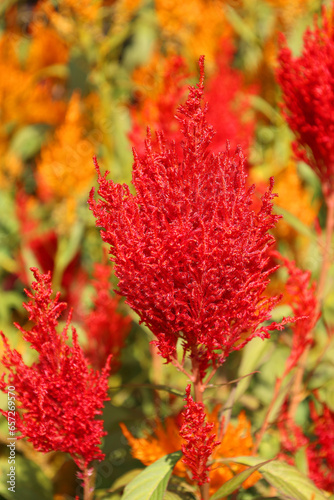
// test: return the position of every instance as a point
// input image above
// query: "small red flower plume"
(58, 396)
(199, 440)
(190, 249)
(321, 451)
(305, 308)
(307, 83)
(106, 328)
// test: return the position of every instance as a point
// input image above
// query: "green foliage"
(151, 484)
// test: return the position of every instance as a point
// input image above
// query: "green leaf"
(28, 141)
(151, 484)
(288, 480)
(236, 481)
(169, 495)
(30, 481)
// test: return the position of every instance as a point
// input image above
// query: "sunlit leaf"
(151, 484)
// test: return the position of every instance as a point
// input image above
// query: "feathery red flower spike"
(190, 251)
(58, 396)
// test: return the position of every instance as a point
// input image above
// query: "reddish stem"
(199, 389)
(327, 250)
(88, 479)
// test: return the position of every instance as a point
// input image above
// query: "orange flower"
(197, 25)
(46, 48)
(236, 441)
(65, 169)
(24, 98)
(148, 449)
(293, 196)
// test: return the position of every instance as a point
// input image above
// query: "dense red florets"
(302, 295)
(190, 251)
(199, 439)
(106, 327)
(58, 396)
(308, 91)
(321, 452)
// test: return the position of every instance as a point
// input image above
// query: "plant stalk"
(198, 390)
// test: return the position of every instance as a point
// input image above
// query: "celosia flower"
(236, 441)
(25, 95)
(190, 251)
(149, 448)
(302, 299)
(58, 396)
(199, 441)
(44, 247)
(294, 197)
(319, 451)
(206, 21)
(64, 169)
(106, 328)
(307, 83)
(46, 48)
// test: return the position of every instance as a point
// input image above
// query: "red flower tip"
(199, 440)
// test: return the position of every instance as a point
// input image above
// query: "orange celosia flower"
(24, 98)
(25, 95)
(65, 170)
(150, 448)
(236, 441)
(196, 24)
(46, 49)
(293, 196)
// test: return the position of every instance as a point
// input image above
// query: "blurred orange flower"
(236, 441)
(65, 169)
(24, 97)
(46, 48)
(295, 198)
(196, 25)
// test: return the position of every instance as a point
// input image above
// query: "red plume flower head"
(307, 83)
(190, 249)
(58, 396)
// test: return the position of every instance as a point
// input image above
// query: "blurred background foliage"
(85, 78)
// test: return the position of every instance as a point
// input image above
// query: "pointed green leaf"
(236, 481)
(151, 484)
(288, 480)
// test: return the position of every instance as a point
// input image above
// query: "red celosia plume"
(58, 396)
(106, 328)
(199, 439)
(305, 306)
(307, 83)
(319, 451)
(190, 249)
